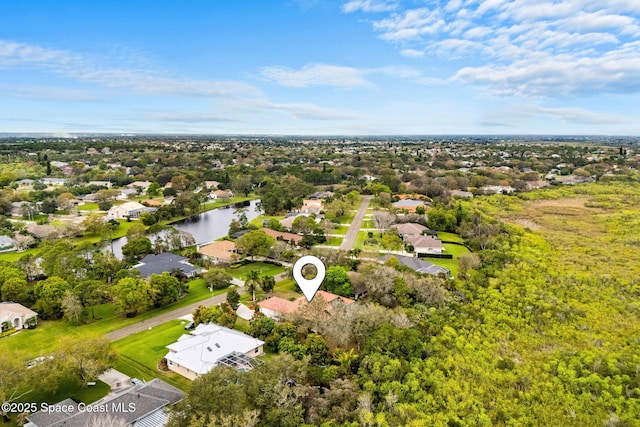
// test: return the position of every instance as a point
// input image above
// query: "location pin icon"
(309, 286)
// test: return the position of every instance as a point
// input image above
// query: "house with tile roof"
(276, 307)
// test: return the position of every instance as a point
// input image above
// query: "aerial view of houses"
(159, 276)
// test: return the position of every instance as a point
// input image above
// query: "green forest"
(544, 332)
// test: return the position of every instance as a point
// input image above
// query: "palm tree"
(251, 283)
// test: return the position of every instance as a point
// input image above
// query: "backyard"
(140, 353)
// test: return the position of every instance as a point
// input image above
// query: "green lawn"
(333, 241)
(15, 256)
(45, 338)
(449, 237)
(367, 223)
(263, 268)
(69, 388)
(340, 229)
(451, 264)
(344, 219)
(140, 353)
(362, 236)
(88, 207)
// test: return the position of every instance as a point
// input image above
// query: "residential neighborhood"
(141, 273)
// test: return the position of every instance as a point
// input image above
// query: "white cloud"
(316, 75)
(517, 114)
(411, 24)
(412, 53)
(308, 111)
(614, 72)
(526, 47)
(369, 6)
(93, 70)
(189, 118)
(47, 92)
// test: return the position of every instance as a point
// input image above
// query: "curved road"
(352, 233)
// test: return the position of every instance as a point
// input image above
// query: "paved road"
(162, 318)
(352, 233)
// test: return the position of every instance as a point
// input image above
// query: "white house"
(127, 210)
(210, 345)
(14, 315)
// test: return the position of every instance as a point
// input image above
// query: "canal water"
(205, 227)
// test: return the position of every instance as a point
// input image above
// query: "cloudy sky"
(321, 66)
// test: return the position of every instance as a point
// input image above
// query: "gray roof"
(164, 262)
(418, 265)
(139, 402)
(410, 228)
(408, 203)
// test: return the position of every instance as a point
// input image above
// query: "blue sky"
(321, 66)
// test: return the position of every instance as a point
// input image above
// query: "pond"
(205, 227)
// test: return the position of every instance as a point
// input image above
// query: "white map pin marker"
(309, 286)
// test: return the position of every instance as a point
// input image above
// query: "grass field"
(88, 207)
(46, 337)
(451, 264)
(333, 241)
(340, 229)
(362, 236)
(449, 237)
(263, 268)
(140, 353)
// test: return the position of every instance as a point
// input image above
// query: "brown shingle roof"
(223, 250)
(280, 235)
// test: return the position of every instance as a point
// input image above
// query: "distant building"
(53, 181)
(100, 183)
(24, 183)
(497, 189)
(130, 210)
(221, 195)
(409, 205)
(141, 186)
(460, 193)
(211, 345)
